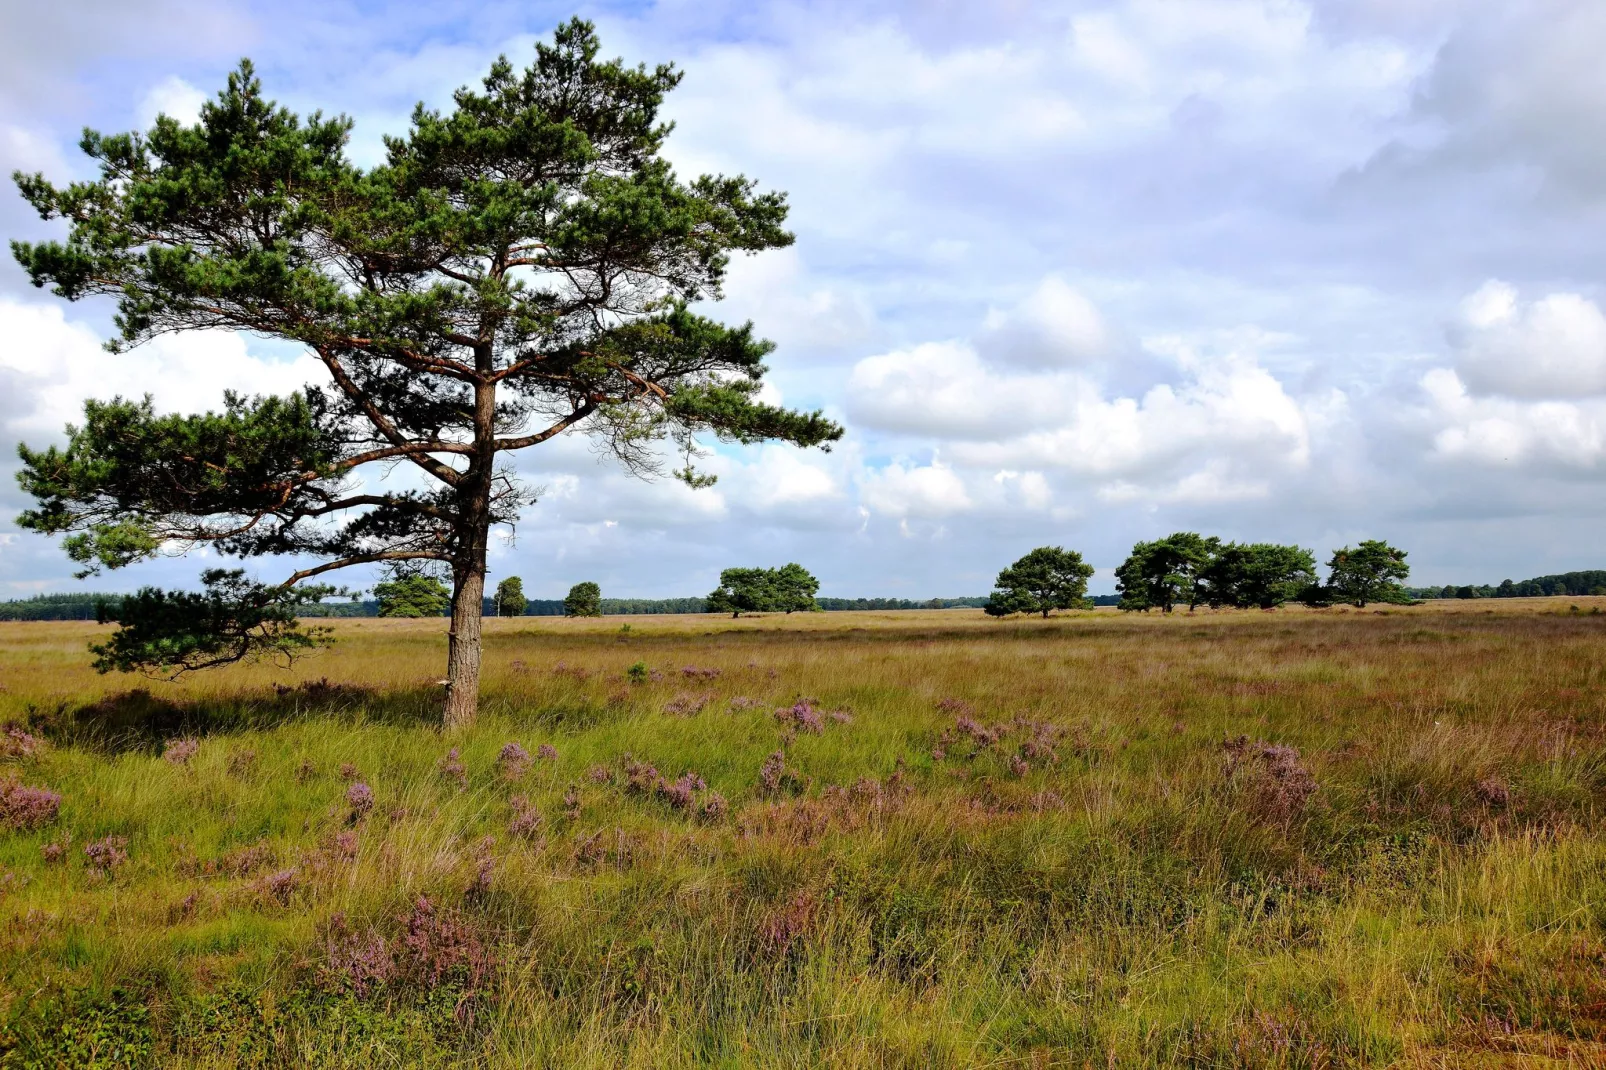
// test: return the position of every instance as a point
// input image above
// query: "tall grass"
(1237, 839)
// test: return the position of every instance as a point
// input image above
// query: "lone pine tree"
(520, 265)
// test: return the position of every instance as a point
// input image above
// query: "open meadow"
(1297, 838)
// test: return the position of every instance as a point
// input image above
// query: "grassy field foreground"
(914, 839)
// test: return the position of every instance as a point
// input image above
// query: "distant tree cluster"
(788, 589)
(1189, 569)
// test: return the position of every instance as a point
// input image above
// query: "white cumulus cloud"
(1554, 347)
(173, 97)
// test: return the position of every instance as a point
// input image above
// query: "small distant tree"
(583, 600)
(745, 590)
(1258, 575)
(414, 595)
(1370, 572)
(795, 589)
(509, 598)
(1046, 579)
(1161, 574)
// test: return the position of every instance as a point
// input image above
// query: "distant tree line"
(82, 606)
(57, 606)
(848, 605)
(1592, 581)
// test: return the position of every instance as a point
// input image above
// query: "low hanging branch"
(521, 266)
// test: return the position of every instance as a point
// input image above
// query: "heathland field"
(1299, 838)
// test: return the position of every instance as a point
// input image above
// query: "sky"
(1077, 273)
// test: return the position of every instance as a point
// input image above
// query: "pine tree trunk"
(463, 650)
(468, 573)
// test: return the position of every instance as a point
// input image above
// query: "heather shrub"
(360, 797)
(802, 716)
(243, 861)
(56, 851)
(24, 807)
(346, 844)
(17, 744)
(181, 751)
(1274, 780)
(279, 886)
(429, 946)
(451, 768)
(512, 761)
(776, 778)
(105, 855)
(526, 823)
(686, 705)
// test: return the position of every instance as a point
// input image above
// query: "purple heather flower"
(361, 798)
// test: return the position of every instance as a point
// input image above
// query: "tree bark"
(464, 644)
(463, 649)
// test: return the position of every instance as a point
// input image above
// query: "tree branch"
(443, 472)
(364, 559)
(586, 409)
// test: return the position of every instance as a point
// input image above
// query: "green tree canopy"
(1046, 579)
(1166, 572)
(416, 595)
(1370, 572)
(795, 589)
(745, 590)
(583, 600)
(509, 599)
(520, 265)
(1258, 575)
